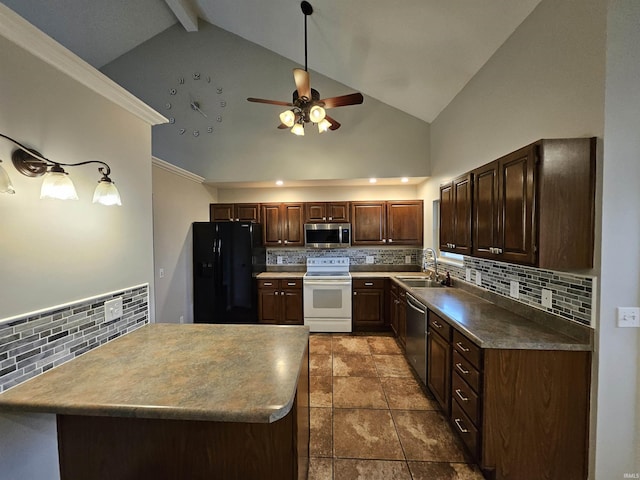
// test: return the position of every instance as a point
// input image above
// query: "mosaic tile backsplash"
(572, 294)
(32, 345)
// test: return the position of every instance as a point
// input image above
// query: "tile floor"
(370, 418)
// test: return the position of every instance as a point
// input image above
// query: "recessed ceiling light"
(404, 179)
(372, 180)
(279, 182)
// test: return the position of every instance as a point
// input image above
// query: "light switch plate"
(547, 298)
(628, 316)
(467, 275)
(478, 278)
(112, 309)
(279, 260)
(369, 259)
(514, 289)
(407, 259)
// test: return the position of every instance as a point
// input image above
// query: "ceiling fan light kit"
(307, 106)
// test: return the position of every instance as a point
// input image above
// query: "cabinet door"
(247, 212)
(446, 217)
(368, 309)
(485, 210)
(461, 214)
(292, 224)
(402, 319)
(404, 223)
(268, 302)
(338, 212)
(221, 212)
(315, 212)
(516, 223)
(291, 305)
(271, 218)
(368, 225)
(439, 369)
(394, 311)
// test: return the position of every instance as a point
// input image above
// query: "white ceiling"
(414, 55)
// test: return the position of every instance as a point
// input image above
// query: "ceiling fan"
(307, 106)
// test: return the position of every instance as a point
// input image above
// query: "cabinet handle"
(281, 293)
(462, 397)
(279, 241)
(330, 218)
(453, 245)
(500, 251)
(390, 240)
(355, 293)
(291, 284)
(267, 284)
(286, 241)
(277, 293)
(458, 422)
(461, 347)
(384, 240)
(436, 324)
(237, 219)
(368, 284)
(459, 367)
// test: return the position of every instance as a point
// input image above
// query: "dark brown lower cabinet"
(280, 301)
(439, 360)
(368, 304)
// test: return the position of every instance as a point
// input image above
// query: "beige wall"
(179, 199)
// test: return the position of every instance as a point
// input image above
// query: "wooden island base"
(134, 448)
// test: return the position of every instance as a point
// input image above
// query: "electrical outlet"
(547, 298)
(407, 259)
(113, 309)
(467, 275)
(628, 317)
(181, 318)
(514, 289)
(279, 260)
(369, 259)
(478, 278)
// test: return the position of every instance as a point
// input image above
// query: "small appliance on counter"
(327, 294)
(227, 257)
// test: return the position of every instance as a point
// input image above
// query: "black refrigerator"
(227, 257)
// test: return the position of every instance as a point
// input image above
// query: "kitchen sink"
(421, 282)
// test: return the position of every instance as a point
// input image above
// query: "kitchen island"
(180, 401)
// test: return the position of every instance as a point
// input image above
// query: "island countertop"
(221, 373)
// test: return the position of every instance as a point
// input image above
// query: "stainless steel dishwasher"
(416, 346)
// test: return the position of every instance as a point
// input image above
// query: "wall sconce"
(56, 183)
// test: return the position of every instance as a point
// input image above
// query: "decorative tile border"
(34, 344)
(357, 256)
(573, 295)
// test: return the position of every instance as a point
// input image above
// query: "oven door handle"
(328, 283)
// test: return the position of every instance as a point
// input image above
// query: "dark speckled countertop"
(226, 373)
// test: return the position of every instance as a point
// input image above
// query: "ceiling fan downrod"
(307, 9)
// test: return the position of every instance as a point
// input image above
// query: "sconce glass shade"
(106, 193)
(288, 118)
(324, 125)
(316, 114)
(298, 129)
(5, 182)
(58, 185)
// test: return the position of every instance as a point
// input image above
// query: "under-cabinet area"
(514, 390)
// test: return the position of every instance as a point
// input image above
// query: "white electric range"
(327, 294)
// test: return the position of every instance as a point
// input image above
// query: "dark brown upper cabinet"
(535, 206)
(455, 215)
(234, 212)
(387, 223)
(327, 212)
(282, 224)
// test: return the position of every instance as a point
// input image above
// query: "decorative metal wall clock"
(194, 105)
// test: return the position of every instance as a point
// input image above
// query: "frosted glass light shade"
(58, 185)
(317, 114)
(324, 125)
(298, 129)
(5, 182)
(107, 194)
(288, 118)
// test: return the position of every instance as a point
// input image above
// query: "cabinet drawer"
(466, 398)
(368, 283)
(291, 283)
(467, 349)
(437, 324)
(465, 428)
(268, 283)
(466, 371)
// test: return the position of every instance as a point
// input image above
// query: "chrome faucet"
(435, 261)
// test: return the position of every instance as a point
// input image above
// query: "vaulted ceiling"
(414, 55)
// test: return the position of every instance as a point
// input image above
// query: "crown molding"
(156, 162)
(17, 30)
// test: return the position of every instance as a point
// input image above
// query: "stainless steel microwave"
(327, 235)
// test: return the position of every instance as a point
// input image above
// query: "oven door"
(327, 298)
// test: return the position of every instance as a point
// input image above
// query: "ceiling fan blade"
(301, 77)
(334, 124)
(282, 126)
(343, 100)
(270, 102)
